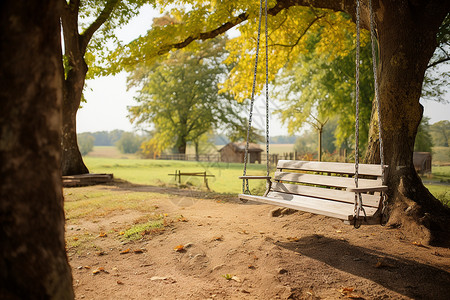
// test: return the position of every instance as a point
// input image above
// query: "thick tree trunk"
(33, 261)
(72, 161)
(404, 55)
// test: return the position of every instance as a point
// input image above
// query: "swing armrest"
(255, 177)
(361, 189)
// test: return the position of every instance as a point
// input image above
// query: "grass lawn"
(155, 172)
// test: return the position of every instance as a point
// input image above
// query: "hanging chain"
(267, 94)
(377, 98)
(245, 187)
(358, 199)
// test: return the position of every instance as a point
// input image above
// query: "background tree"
(423, 141)
(323, 84)
(85, 142)
(180, 96)
(440, 132)
(33, 261)
(436, 83)
(81, 49)
(129, 143)
(406, 34)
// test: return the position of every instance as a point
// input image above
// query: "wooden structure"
(422, 162)
(324, 188)
(86, 179)
(205, 176)
(235, 152)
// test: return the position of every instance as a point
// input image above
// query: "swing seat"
(325, 188)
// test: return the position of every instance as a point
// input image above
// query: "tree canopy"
(180, 96)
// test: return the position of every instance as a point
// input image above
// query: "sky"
(108, 97)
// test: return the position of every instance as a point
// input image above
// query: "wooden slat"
(334, 209)
(254, 177)
(364, 189)
(330, 167)
(333, 181)
(330, 194)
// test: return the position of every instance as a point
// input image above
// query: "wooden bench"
(205, 176)
(324, 188)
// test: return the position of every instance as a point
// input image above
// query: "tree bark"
(33, 261)
(403, 58)
(75, 74)
(76, 69)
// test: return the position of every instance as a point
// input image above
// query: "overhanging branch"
(342, 5)
(86, 36)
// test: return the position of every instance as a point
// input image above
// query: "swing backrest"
(325, 180)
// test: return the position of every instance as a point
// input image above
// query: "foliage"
(85, 142)
(308, 141)
(98, 53)
(440, 133)
(322, 86)
(436, 83)
(129, 143)
(423, 141)
(180, 97)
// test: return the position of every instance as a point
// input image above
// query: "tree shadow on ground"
(407, 277)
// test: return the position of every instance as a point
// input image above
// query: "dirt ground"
(232, 250)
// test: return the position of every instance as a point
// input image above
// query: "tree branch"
(301, 35)
(438, 62)
(342, 5)
(86, 36)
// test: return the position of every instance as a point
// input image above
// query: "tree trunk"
(75, 75)
(403, 59)
(72, 161)
(33, 261)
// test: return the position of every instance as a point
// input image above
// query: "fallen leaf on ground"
(121, 233)
(419, 244)
(102, 234)
(119, 282)
(346, 290)
(138, 251)
(75, 239)
(217, 238)
(182, 219)
(125, 251)
(179, 248)
(96, 271)
(235, 278)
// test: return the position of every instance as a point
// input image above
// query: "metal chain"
(358, 200)
(267, 94)
(245, 187)
(377, 98)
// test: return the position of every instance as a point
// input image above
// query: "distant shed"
(234, 152)
(422, 162)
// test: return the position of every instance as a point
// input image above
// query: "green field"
(156, 172)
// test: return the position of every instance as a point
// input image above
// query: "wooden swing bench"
(324, 188)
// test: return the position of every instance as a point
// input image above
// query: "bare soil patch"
(232, 250)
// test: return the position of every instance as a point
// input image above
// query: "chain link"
(358, 200)
(245, 187)
(267, 93)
